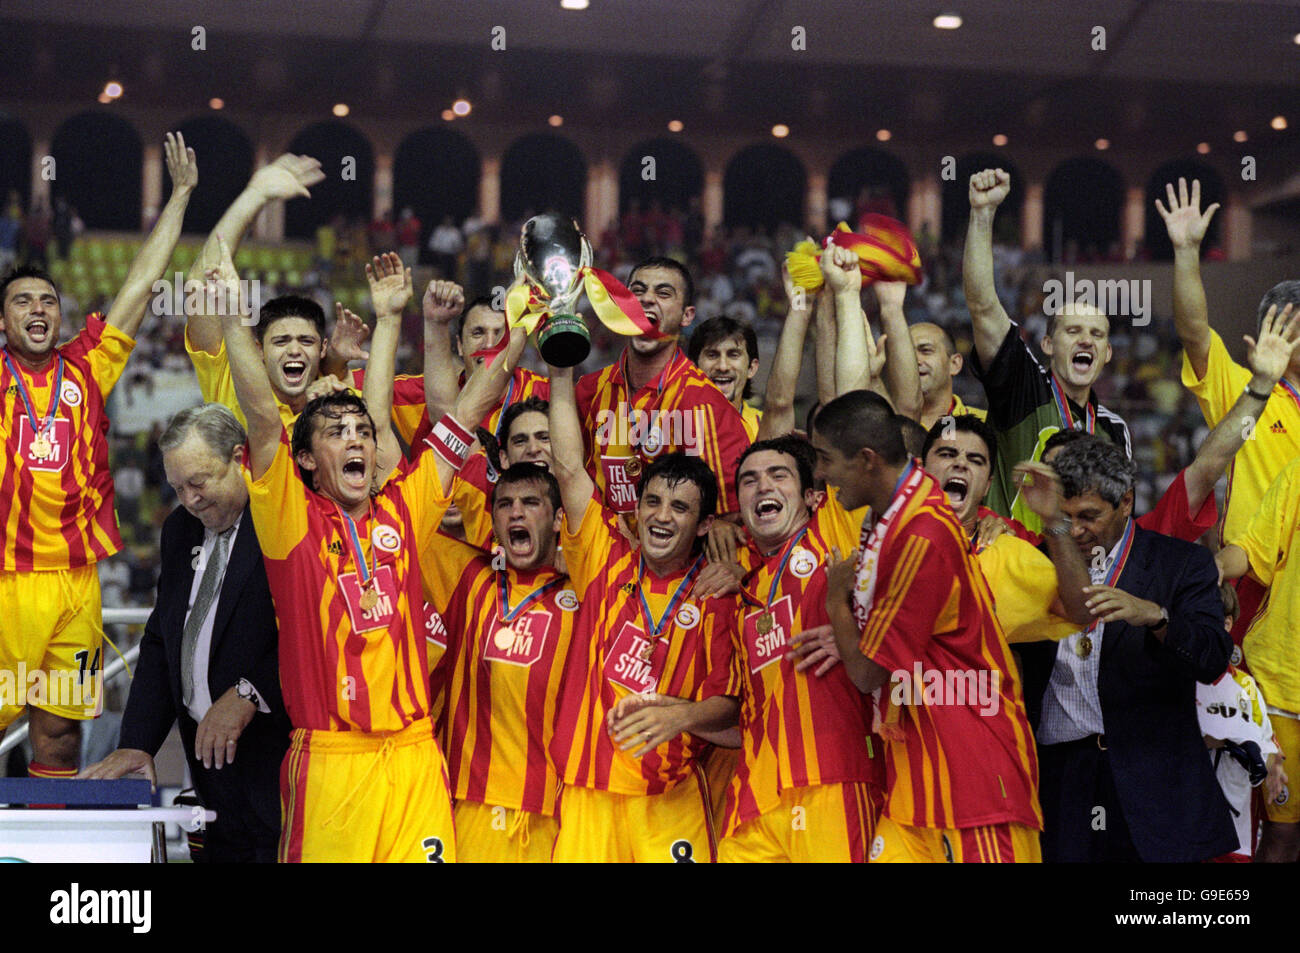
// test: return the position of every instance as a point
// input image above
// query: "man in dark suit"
(208, 659)
(1124, 775)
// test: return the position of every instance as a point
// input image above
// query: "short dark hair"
(1063, 438)
(1094, 464)
(333, 406)
(289, 306)
(1281, 294)
(482, 301)
(719, 329)
(805, 458)
(530, 404)
(677, 468)
(24, 271)
(661, 261)
(949, 344)
(965, 423)
(914, 435)
(529, 473)
(860, 419)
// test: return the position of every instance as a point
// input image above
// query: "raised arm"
(151, 262)
(901, 376)
(1186, 226)
(443, 300)
(390, 290)
(247, 371)
(844, 284)
(824, 322)
(285, 178)
(576, 486)
(783, 379)
(987, 191)
(1279, 337)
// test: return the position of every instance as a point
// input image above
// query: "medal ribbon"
(653, 627)
(503, 589)
(780, 571)
(505, 404)
(1063, 407)
(354, 541)
(1117, 567)
(39, 426)
(660, 383)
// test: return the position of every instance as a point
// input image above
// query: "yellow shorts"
(825, 824)
(719, 768)
(995, 844)
(52, 658)
(1286, 731)
(356, 797)
(491, 834)
(600, 827)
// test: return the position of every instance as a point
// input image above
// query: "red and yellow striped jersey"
(679, 411)
(692, 658)
(502, 678)
(471, 492)
(798, 729)
(345, 666)
(409, 407)
(967, 756)
(58, 510)
(435, 644)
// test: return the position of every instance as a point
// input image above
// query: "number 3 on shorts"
(682, 852)
(433, 847)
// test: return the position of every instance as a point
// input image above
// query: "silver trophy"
(552, 255)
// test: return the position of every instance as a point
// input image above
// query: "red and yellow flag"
(885, 250)
(615, 306)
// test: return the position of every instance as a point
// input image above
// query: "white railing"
(18, 731)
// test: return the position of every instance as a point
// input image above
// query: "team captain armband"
(450, 440)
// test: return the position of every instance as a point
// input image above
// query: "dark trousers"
(1082, 818)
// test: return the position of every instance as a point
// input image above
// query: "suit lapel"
(243, 557)
(1136, 580)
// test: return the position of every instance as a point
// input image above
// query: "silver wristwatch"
(245, 690)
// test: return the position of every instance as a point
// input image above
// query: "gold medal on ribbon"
(504, 638)
(765, 623)
(648, 652)
(632, 467)
(369, 599)
(40, 447)
(1083, 648)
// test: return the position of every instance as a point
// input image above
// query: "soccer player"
(1264, 548)
(634, 790)
(654, 401)
(726, 350)
(1037, 597)
(1029, 402)
(914, 618)
(290, 329)
(938, 362)
(363, 779)
(809, 780)
(56, 484)
(479, 332)
(525, 438)
(1217, 380)
(509, 629)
